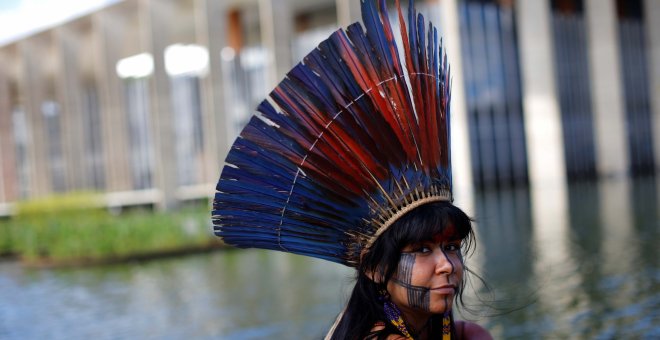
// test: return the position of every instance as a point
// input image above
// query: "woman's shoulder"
(470, 330)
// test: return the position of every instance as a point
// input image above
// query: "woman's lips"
(446, 289)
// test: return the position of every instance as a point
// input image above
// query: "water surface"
(586, 268)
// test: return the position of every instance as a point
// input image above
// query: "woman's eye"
(423, 249)
(453, 247)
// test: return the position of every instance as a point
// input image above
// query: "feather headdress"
(355, 136)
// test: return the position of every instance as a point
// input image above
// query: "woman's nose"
(443, 264)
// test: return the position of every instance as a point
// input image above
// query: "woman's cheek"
(415, 296)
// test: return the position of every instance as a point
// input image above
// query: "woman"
(414, 270)
(348, 161)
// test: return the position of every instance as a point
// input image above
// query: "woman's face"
(428, 275)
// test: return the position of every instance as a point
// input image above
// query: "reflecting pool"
(587, 267)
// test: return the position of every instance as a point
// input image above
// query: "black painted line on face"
(453, 270)
(405, 270)
(418, 297)
(444, 253)
(410, 286)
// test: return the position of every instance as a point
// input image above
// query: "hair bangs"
(430, 220)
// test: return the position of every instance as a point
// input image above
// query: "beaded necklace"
(395, 317)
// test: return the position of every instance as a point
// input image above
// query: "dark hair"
(364, 307)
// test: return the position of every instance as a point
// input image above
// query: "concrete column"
(543, 130)
(211, 32)
(348, 12)
(607, 94)
(155, 23)
(68, 90)
(8, 178)
(460, 152)
(543, 134)
(652, 21)
(32, 89)
(276, 19)
(108, 31)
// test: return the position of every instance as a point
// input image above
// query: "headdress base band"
(402, 211)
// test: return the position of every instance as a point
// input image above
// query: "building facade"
(140, 100)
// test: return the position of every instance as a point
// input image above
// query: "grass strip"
(73, 229)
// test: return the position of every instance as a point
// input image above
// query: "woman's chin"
(440, 307)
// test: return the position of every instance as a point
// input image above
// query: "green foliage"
(70, 203)
(74, 228)
(6, 247)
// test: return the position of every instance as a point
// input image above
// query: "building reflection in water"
(593, 272)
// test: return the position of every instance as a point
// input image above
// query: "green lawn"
(71, 228)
